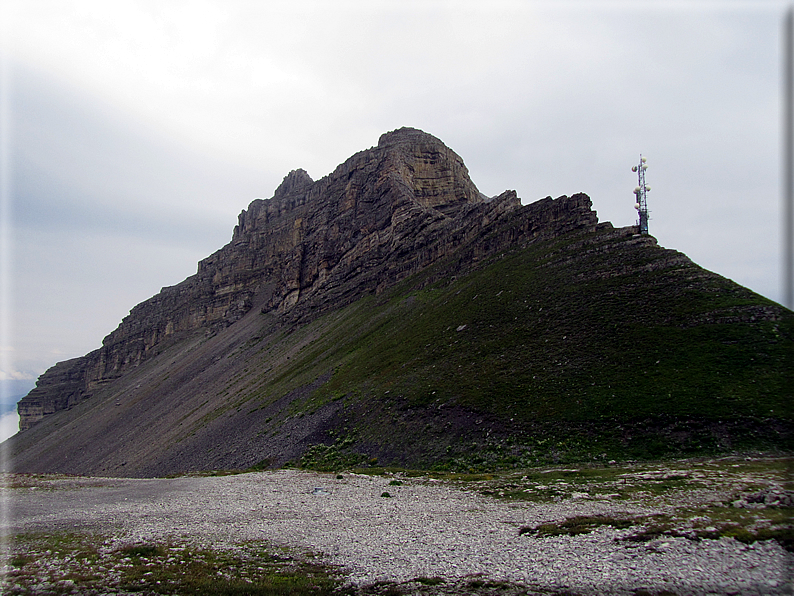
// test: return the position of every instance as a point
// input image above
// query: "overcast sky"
(135, 132)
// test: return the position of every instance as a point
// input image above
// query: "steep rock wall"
(59, 388)
(384, 214)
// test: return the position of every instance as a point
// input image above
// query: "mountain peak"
(294, 182)
(434, 174)
(454, 325)
(407, 135)
(384, 214)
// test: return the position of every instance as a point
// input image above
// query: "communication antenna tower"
(640, 192)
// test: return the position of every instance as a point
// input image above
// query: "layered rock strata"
(384, 214)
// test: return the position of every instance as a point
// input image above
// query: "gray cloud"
(78, 165)
(104, 215)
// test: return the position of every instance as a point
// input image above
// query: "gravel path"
(426, 529)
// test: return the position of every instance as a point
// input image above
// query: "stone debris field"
(720, 526)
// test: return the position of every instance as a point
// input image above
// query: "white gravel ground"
(426, 529)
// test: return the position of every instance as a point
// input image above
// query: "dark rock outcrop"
(60, 388)
(381, 216)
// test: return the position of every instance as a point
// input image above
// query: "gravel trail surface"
(425, 529)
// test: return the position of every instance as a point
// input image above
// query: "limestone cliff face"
(381, 216)
(59, 388)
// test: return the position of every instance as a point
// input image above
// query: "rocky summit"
(391, 314)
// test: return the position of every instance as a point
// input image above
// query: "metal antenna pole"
(640, 193)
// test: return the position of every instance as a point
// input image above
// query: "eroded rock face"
(59, 388)
(384, 214)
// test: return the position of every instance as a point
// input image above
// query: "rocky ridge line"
(381, 216)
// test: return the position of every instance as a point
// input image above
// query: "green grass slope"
(602, 345)
(590, 346)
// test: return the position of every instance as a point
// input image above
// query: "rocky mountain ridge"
(384, 214)
(390, 312)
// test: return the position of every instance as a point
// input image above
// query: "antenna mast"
(640, 192)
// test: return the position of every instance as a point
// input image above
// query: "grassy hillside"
(576, 348)
(591, 346)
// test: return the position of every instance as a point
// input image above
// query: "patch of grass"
(216, 572)
(265, 464)
(500, 586)
(20, 560)
(82, 563)
(430, 581)
(784, 536)
(716, 483)
(142, 550)
(209, 473)
(332, 458)
(573, 526)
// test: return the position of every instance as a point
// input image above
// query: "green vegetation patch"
(643, 361)
(430, 581)
(335, 457)
(528, 337)
(93, 565)
(88, 564)
(712, 529)
(573, 526)
(656, 527)
(587, 347)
